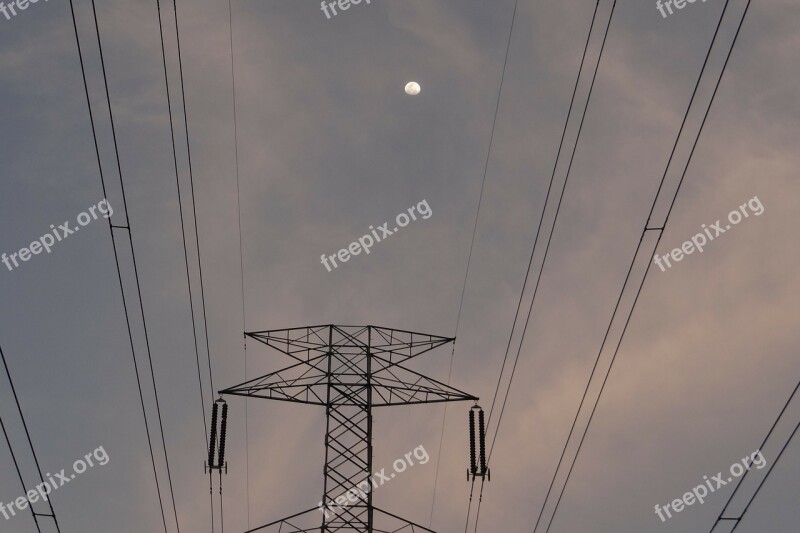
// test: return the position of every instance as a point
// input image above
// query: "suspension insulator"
(482, 440)
(213, 441)
(472, 463)
(222, 433)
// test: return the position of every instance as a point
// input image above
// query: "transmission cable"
(135, 268)
(19, 473)
(469, 505)
(191, 187)
(30, 445)
(539, 227)
(647, 228)
(116, 261)
(741, 480)
(758, 489)
(574, 422)
(555, 219)
(196, 232)
(183, 229)
(126, 227)
(471, 246)
(183, 238)
(241, 259)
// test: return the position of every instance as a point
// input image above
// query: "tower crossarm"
(305, 343)
(398, 385)
(306, 383)
(300, 383)
(302, 344)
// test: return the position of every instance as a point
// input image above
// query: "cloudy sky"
(329, 145)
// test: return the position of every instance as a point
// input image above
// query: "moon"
(412, 88)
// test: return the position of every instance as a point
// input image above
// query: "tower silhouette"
(349, 370)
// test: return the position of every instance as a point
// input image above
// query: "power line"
(574, 422)
(741, 480)
(191, 187)
(469, 505)
(544, 209)
(116, 261)
(647, 228)
(30, 445)
(116, 255)
(180, 211)
(196, 231)
(19, 473)
(471, 246)
(539, 227)
(478, 512)
(133, 261)
(555, 219)
(183, 238)
(241, 257)
(777, 458)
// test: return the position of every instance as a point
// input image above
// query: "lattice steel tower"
(348, 370)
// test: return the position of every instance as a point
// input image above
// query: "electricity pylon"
(348, 370)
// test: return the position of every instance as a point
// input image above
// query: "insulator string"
(472, 462)
(213, 440)
(223, 429)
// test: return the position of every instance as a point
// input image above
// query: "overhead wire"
(741, 479)
(478, 512)
(191, 187)
(196, 229)
(135, 267)
(183, 238)
(180, 212)
(615, 309)
(195, 219)
(19, 472)
(117, 263)
(30, 445)
(544, 210)
(469, 505)
(758, 489)
(555, 219)
(539, 227)
(471, 247)
(241, 257)
(647, 228)
(127, 228)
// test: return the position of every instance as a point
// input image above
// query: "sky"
(329, 145)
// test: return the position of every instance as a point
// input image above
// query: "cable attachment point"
(477, 465)
(217, 462)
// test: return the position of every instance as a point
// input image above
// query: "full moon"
(412, 88)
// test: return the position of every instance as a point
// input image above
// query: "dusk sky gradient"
(330, 144)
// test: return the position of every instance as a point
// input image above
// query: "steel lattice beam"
(348, 370)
